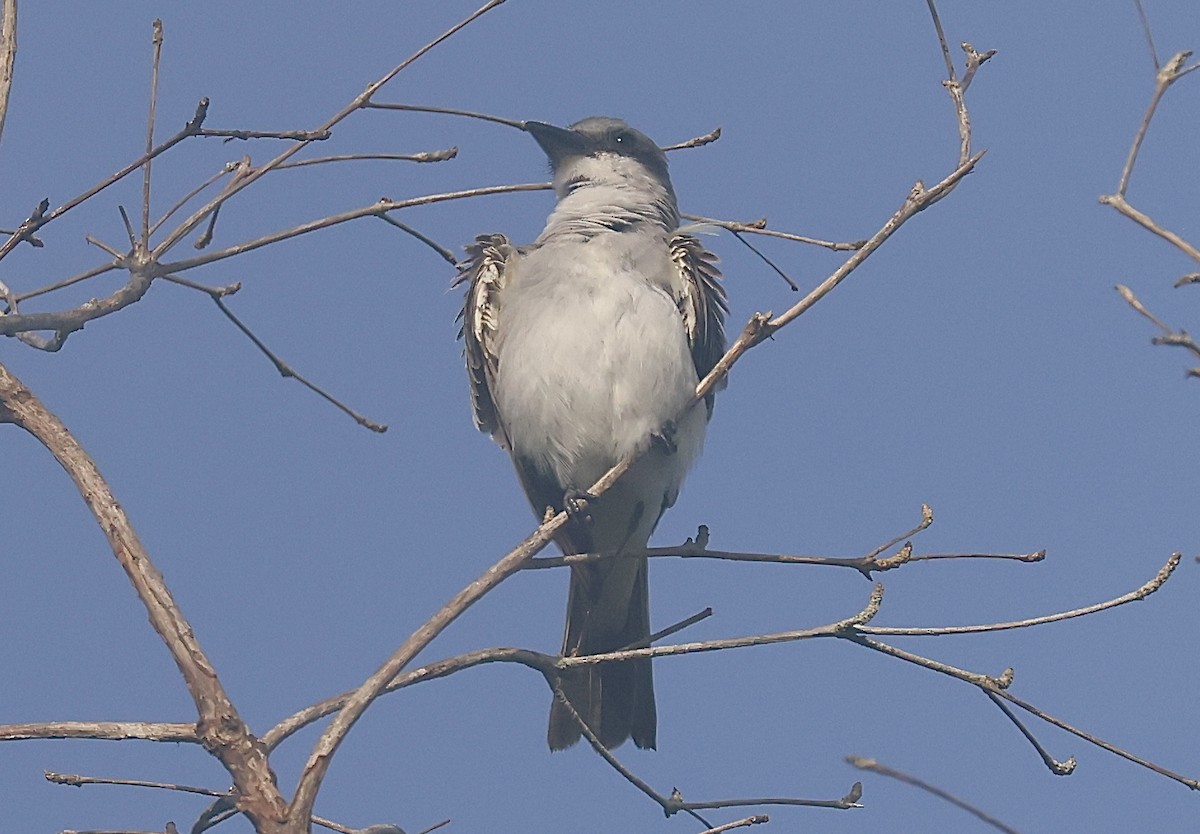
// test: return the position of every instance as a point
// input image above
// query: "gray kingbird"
(580, 347)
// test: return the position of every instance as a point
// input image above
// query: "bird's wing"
(484, 275)
(702, 303)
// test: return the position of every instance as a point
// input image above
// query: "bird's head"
(602, 151)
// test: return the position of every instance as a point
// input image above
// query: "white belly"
(593, 358)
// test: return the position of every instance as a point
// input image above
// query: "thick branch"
(8, 54)
(221, 729)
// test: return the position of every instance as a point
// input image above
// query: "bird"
(582, 348)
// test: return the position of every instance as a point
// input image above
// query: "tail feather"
(608, 610)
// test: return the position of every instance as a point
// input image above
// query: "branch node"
(194, 126)
(1004, 681)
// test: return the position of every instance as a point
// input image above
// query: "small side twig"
(696, 141)
(75, 780)
(759, 227)
(745, 822)
(1169, 337)
(288, 372)
(157, 38)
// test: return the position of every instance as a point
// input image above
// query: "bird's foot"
(575, 504)
(664, 438)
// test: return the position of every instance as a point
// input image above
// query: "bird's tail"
(608, 610)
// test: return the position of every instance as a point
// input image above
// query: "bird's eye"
(623, 138)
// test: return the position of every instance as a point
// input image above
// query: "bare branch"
(1167, 75)
(75, 780)
(1164, 573)
(102, 730)
(1119, 202)
(850, 800)
(375, 209)
(65, 322)
(295, 135)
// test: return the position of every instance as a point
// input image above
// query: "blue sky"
(980, 362)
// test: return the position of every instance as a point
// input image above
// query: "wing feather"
(702, 303)
(484, 275)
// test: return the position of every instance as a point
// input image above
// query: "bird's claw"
(664, 438)
(575, 504)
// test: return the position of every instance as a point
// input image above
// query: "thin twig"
(745, 822)
(288, 372)
(883, 770)
(41, 217)
(448, 111)
(1063, 768)
(358, 103)
(375, 209)
(422, 156)
(211, 292)
(75, 780)
(442, 251)
(941, 36)
(158, 42)
(435, 826)
(787, 280)
(77, 317)
(229, 168)
(1170, 337)
(759, 227)
(688, 622)
(1141, 10)
(850, 800)
(1133, 302)
(1193, 784)
(1166, 75)
(866, 565)
(1136, 595)
(669, 806)
(66, 282)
